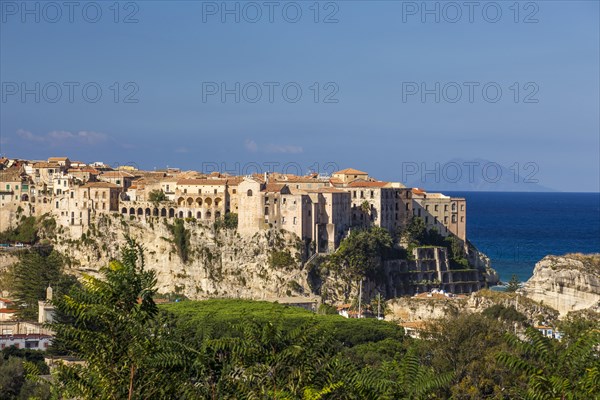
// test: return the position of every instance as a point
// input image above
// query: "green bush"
(281, 259)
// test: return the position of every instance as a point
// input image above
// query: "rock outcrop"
(566, 283)
(428, 308)
(218, 262)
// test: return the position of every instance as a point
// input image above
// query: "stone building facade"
(319, 210)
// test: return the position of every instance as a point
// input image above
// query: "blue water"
(516, 230)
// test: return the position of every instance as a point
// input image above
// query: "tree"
(467, 344)
(156, 196)
(32, 274)
(26, 232)
(553, 369)
(112, 329)
(14, 383)
(181, 239)
(361, 252)
(514, 284)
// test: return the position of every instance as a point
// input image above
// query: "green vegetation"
(229, 221)
(513, 285)
(156, 196)
(553, 369)
(281, 259)
(25, 232)
(510, 314)
(361, 253)
(239, 349)
(111, 327)
(181, 238)
(416, 234)
(28, 279)
(14, 371)
(216, 317)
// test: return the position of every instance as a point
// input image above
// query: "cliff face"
(220, 263)
(411, 309)
(566, 283)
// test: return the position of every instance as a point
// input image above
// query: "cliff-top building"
(319, 209)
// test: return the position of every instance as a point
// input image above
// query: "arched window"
(249, 192)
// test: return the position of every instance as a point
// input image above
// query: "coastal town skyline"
(519, 89)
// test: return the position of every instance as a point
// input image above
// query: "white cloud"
(60, 137)
(253, 147)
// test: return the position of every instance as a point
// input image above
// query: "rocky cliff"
(566, 283)
(424, 308)
(198, 262)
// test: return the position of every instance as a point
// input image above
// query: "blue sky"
(367, 66)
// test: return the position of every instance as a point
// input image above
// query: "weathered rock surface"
(220, 263)
(422, 308)
(566, 283)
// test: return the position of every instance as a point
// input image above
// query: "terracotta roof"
(10, 175)
(107, 185)
(327, 190)
(418, 191)
(375, 184)
(116, 174)
(350, 171)
(273, 188)
(203, 182)
(6, 300)
(235, 180)
(88, 169)
(7, 311)
(25, 336)
(43, 164)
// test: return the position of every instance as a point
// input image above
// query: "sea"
(516, 230)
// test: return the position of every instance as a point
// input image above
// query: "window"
(215, 191)
(184, 190)
(454, 219)
(72, 194)
(249, 193)
(462, 207)
(372, 194)
(294, 220)
(354, 194)
(445, 207)
(283, 220)
(435, 207)
(266, 210)
(118, 181)
(234, 191)
(57, 204)
(426, 220)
